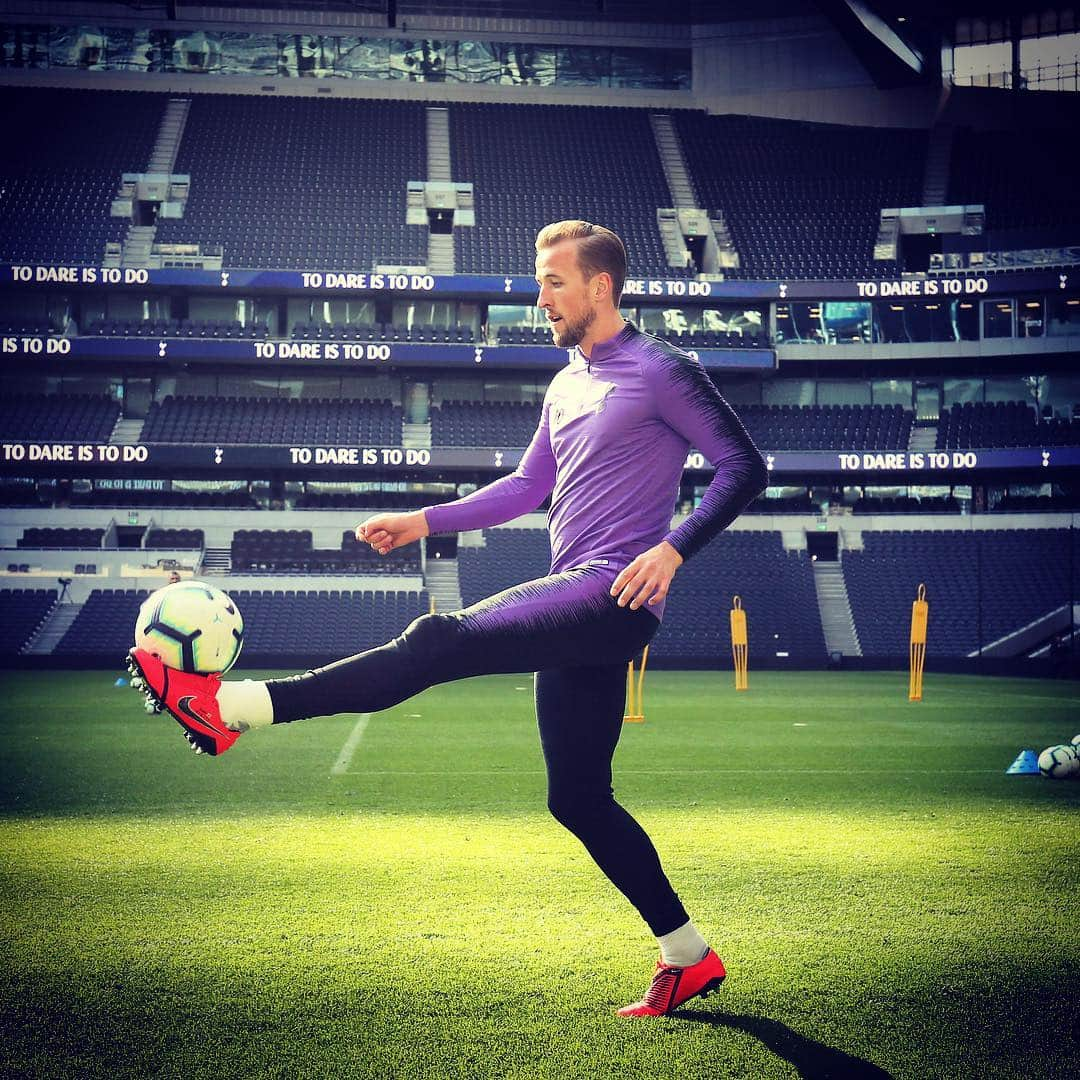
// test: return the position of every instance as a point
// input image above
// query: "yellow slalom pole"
(635, 691)
(739, 644)
(431, 605)
(920, 615)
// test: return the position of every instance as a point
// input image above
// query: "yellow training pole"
(920, 614)
(635, 695)
(739, 644)
(431, 605)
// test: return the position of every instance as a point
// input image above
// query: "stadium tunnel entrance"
(823, 546)
(442, 547)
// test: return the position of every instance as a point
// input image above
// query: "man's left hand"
(647, 578)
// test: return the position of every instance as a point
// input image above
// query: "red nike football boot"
(191, 700)
(674, 986)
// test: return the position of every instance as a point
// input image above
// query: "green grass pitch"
(888, 901)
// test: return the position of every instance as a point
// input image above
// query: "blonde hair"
(599, 250)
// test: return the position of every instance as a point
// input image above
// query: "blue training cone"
(1026, 764)
(121, 681)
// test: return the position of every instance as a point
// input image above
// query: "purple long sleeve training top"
(613, 436)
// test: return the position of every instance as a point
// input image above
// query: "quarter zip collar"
(605, 350)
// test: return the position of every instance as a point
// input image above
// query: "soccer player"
(615, 428)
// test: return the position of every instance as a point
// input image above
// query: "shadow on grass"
(812, 1060)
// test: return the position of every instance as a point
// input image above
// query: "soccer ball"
(1057, 762)
(191, 626)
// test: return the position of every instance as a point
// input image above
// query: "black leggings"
(571, 632)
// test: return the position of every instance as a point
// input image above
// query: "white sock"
(245, 705)
(683, 947)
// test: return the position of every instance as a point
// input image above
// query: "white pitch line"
(344, 759)
(689, 772)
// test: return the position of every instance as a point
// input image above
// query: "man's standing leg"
(579, 711)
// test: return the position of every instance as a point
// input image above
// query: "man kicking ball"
(615, 428)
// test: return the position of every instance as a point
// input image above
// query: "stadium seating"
(534, 164)
(975, 425)
(24, 611)
(777, 588)
(828, 427)
(423, 335)
(301, 183)
(322, 625)
(66, 417)
(802, 200)
(290, 551)
(470, 423)
(981, 585)
(274, 420)
(508, 557)
(904, 504)
(61, 538)
(778, 595)
(66, 152)
(175, 538)
(192, 328)
(236, 498)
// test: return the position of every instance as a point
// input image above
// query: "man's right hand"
(384, 532)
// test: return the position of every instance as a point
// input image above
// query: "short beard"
(568, 334)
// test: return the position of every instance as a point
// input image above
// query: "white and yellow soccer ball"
(191, 626)
(1059, 762)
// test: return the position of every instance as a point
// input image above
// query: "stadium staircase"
(936, 173)
(52, 629)
(416, 435)
(671, 157)
(923, 437)
(216, 562)
(440, 256)
(835, 609)
(442, 583)
(684, 197)
(126, 432)
(139, 241)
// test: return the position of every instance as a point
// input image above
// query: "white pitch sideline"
(344, 759)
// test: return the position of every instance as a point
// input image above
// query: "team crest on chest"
(592, 399)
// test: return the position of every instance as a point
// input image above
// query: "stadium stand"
(508, 557)
(802, 200)
(300, 183)
(58, 187)
(272, 420)
(469, 423)
(235, 498)
(828, 427)
(977, 425)
(70, 417)
(777, 588)
(24, 611)
(61, 538)
(191, 328)
(521, 185)
(778, 594)
(981, 585)
(799, 504)
(175, 538)
(278, 623)
(905, 504)
(358, 558)
(290, 551)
